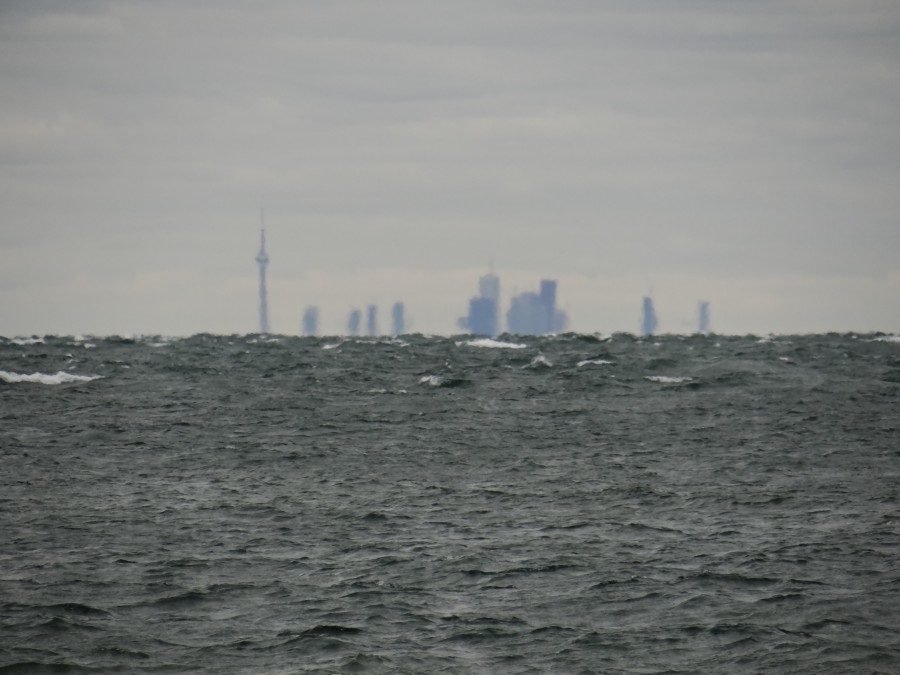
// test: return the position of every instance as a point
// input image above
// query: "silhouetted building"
(536, 313)
(353, 322)
(648, 317)
(526, 314)
(484, 310)
(548, 301)
(482, 317)
(703, 317)
(371, 321)
(310, 320)
(489, 287)
(398, 322)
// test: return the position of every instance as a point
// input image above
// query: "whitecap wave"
(887, 338)
(594, 362)
(666, 379)
(489, 342)
(539, 361)
(433, 380)
(44, 378)
(27, 341)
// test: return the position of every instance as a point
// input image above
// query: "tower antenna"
(262, 260)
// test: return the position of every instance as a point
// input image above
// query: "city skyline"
(743, 153)
(529, 313)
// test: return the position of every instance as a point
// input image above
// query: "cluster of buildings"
(310, 321)
(529, 313)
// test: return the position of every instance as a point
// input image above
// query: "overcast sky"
(743, 152)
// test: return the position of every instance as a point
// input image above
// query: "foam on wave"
(594, 362)
(666, 379)
(539, 361)
(28, 341)
(489, 342)
(44, 378)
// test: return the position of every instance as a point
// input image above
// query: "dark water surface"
(425, 505)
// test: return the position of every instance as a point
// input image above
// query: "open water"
(574, 504)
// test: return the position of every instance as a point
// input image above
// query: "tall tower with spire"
(262, 260)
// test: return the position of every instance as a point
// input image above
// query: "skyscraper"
(536, 313)
(398, 321)
(262, 260)
(548, 302)
(372, 321)
(353, 322)
(310, 321)
(703, 317)
(648, 317)
(489, 289)
(489, 286)
(482, 318)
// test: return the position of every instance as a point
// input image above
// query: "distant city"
(529, 313)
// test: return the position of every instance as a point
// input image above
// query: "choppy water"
(427, 505)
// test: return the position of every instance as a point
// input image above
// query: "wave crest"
(60, 377)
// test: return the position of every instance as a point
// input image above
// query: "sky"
(746, 153)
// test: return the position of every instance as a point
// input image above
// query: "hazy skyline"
(743, 153)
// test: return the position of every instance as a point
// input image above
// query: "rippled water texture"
(425, 505)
